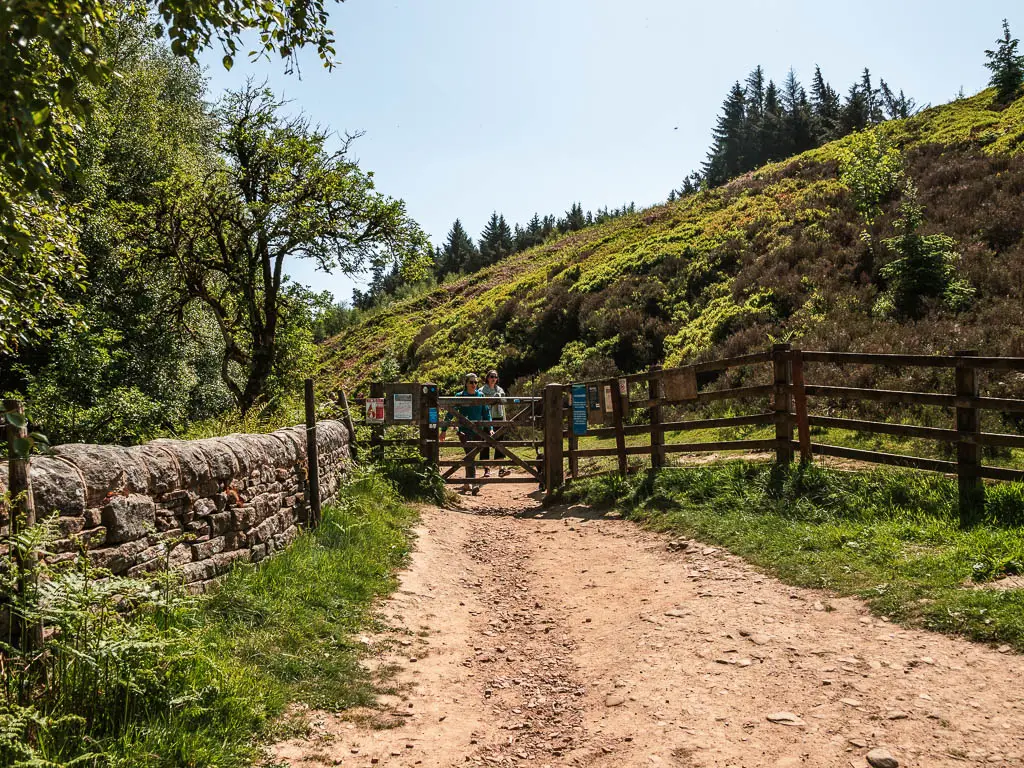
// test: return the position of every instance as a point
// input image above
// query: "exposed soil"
(556, 637)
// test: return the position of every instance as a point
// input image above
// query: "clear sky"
(471, 106)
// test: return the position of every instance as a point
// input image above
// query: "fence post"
(574, 445)
(312, 458)
(618, 411)
(657, 431)
(353, 448)
(19, 484)
(377, 430)
(554, 420)
(429, 448)
(22, 515)
(783, 380)
(968, 451)
(803, 428)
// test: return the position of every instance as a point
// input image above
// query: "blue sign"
(432, 415)
(579, 409)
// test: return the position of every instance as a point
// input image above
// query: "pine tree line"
(761, 122)
(460, 255)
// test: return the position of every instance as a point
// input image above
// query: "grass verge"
(135, 674)
(890, 537)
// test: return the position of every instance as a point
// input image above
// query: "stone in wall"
(213, 502)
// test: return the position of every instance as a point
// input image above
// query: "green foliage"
(1007, 67)
(416, 479)
(53, 58)
(274, 192)
(872, 168)
(892, 538)
(138, 674)
(926, 266)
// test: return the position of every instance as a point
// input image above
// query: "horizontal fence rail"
(793, 394)
(798, 393)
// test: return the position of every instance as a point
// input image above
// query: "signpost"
(579, 409)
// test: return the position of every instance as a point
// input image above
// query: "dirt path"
(527, 636)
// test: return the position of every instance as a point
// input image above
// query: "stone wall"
(222, 499)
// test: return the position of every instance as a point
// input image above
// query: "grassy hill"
(784, 252)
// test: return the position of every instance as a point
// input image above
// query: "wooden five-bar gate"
(784, 396)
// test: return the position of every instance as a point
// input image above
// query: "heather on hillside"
(806, 249)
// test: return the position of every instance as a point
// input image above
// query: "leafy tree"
(926, 266)
(52, 54)
(131, 352)
(872, 168)
(1006, 65)
(275, 192)
(726, 156)
(495, 241)
(459, 253)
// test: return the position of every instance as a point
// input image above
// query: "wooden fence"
(790, 400)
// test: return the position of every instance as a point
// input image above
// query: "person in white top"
(492, 389)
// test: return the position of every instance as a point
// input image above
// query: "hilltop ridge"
(783, 252)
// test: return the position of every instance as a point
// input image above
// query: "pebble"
(858, 743)
(784, 718)
(896, 714)
(851, 702)
(614, 701)
(881, 758)
(788, 762)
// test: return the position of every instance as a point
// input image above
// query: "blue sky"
(470, 106)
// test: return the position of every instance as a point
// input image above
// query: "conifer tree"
(771, 140)
(854, 114)
(725, 158)
(824, 108)
(754, 97)
(796, 116)
(458, 254)
(895, 107)
(495, 241)
(872, 102)
(1007, 67)
(574, 219)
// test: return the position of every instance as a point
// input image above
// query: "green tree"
(796, 121)
(495, 241)
(574, 220)
(726, 157)
(1006, 65)
(276, 192)
(52, 54)
(825, 110)
(925, 267)
(458, 253)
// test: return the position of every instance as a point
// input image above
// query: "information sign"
(579, 409)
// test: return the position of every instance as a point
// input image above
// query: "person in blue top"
(473, 413)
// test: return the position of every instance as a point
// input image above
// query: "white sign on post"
(402, 407)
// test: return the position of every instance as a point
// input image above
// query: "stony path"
(527, 636)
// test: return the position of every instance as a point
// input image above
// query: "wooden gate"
(526, 444)
(522, 428)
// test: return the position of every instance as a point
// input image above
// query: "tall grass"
(891, 537)
(137, 673)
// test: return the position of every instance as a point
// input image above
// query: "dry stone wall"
(197, 505)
